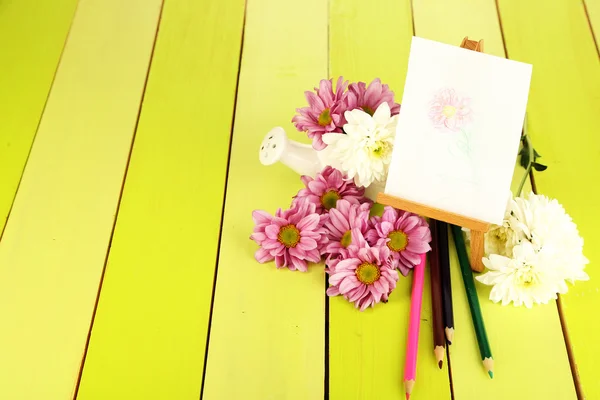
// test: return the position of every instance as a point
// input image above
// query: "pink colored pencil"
(412, 344)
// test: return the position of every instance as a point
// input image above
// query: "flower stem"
(529, 165)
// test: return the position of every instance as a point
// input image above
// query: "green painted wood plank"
(525, 343)
(54, 246)
(268, 326)
(565, 121)
(593, 13)
(32, 36)
(367, 349)
(149, 336)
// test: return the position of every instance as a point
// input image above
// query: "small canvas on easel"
(458, 130)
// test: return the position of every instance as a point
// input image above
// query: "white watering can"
(299, 157)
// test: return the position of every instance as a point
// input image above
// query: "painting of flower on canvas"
(450, 111)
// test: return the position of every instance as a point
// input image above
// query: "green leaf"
(539, 167)
(524, 160)
(536, 154)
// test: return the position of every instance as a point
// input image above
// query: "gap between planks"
(37, 128)
(589, 20)
(114, 224)
(563, 324)
(216, 269)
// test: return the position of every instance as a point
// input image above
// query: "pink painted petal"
(278, 251)
(357, 238)
(390, 214)
(308, 223)
(378, 285)
(258, 237)
(357, 293)
(422, 232)
(386, 228)
(307, 243)
(300, 265)
(317, 187)
(371, 236)
(409, 223)
(418, 246)
(366, 303)
(263, 256)
(348, 284)
(410, 257)
(339, 276)
(281, 261)
(270, 244)
(338, 221)
(333, 291)
(272, 231)
(314, 101)
(313, 256)
(403, 269)
(450, 123)
(297, 252)
(349, 263)
(261, 217)
(365, 255)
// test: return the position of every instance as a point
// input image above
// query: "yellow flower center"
(398, 241)
(367, 273)
(346, 239)
(289, 236)
(329, 199)
(368, 110)
(380, 149)
(526, 276)
(449, 111)
(325, 117)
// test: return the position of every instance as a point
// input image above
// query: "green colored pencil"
(467, 274)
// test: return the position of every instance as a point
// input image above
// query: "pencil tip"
(407, 396)
(491, 374)
(440, 363)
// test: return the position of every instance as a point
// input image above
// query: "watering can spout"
(301, 158)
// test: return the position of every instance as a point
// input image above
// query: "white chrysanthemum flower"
(365, 151)
(501, 239)
(544, 223)
(529, 277)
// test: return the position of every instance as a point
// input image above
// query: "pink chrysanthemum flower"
(291, 237)
(325, 112)
(342, 219)
(448, 110)
(364, 276)
(370, 98)
(329, 186)
(406, 235)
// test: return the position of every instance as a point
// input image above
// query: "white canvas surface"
(458, 130)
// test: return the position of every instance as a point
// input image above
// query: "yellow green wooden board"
(564, 122)
(126, 268)
(53, 249)
(31, 43)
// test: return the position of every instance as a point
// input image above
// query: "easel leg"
(477, 251)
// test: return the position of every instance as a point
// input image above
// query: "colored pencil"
(412, 343)
(439, 340)
(467, 274)
(442, 229)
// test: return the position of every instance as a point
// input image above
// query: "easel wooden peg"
(478, 228)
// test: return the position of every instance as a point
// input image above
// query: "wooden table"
(129, 171)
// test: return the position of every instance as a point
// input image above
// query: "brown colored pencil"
(442, 231)
(439, 341)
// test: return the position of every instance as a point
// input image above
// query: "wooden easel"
(478, 228)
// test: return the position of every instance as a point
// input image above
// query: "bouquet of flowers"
(354, 125)
(529, 258)
(536, 250)
(331, 219)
